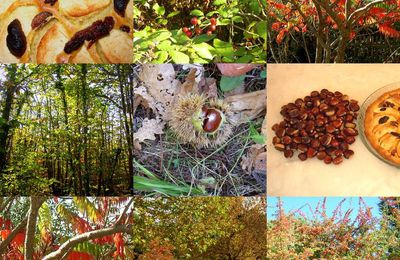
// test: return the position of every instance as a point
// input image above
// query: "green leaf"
(245, 59)
(163, 187)
(173, 14)
(179, 57)
(255, 136)
(261, 28)
(230, 83)
(160, 10)
(263, 74)
(197, 13)
(203, 50)
(237, 19)
(161, 56)
(203, 38)
(165, 46)
(219, 2)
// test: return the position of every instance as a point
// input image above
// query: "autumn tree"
(65, 228)
(332, 25)
(200, 227)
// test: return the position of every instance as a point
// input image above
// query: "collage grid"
(138, 129)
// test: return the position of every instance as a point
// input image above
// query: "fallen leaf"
(255, 159)
(159, 87)
(150, 128)
(235, 69)
(245, 107)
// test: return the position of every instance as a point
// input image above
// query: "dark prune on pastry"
(16, 40)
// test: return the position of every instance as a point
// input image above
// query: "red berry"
(185, 29)
(213, 21)
(194, 21)
(213, 27)
(209, 33)
(188, 33)
(197, 30)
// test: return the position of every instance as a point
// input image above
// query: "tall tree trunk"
(4, 122)
(60, 86)
(124, 77)
(36, 203)
(85, 128)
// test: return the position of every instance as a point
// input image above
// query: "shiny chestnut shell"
(212, 119)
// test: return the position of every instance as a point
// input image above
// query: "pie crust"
(381, 125)
(45, 44)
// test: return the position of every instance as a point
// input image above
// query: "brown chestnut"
(212, 120)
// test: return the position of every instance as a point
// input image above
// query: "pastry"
(382, 125)
(66, 31)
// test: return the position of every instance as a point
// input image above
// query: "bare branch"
(359, 12)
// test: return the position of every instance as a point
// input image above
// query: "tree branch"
(17, 229)
(121, 217)
(72, 242)
(357, 13)
(36, 203)
(5, 204)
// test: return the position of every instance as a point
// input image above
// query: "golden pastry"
(382, 125)
(66, 31)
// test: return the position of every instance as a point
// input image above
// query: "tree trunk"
(36, 203)
(86, 175)
(129, 140)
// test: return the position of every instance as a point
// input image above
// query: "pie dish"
(381, 123)
(66, 31)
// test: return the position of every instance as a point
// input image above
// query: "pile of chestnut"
(320, 125)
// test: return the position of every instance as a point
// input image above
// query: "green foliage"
(241, 26)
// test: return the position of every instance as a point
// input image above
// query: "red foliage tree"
(332, 23)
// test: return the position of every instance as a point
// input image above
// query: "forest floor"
(219, 170)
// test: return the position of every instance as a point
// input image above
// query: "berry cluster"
(196, 28)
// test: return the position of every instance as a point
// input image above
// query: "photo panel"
(200, 31)
(200, 228)
(200, 130)
(65, 31)
(325, 31)
(66, 130)
(333, 227)
(333, 130)
(66, 227)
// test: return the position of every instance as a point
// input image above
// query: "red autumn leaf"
(276, 26)
(281, 35)
(80, 256)
(18, 240)
(5, 233)
(119, 244)
(389, 31)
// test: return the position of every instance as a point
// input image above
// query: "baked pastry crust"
(45, 44)
(381, 125)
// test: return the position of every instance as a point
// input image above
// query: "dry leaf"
(255, 159)
(159, 87)
(189, 86)
(150, 128)
(246, 106)
(209, 88)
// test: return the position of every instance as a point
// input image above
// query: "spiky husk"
(188, 107)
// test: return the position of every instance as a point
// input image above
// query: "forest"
(84, 228)
(66, 129)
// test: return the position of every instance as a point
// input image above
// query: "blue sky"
(294, 203)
